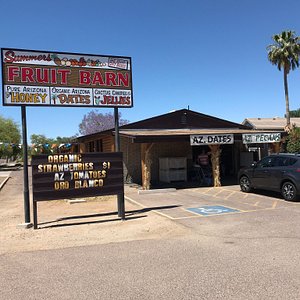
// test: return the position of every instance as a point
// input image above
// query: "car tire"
(289, 191)
(245, 184)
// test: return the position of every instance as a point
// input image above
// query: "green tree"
(10, 138)
(293, 140)
(43, 144)
(284, 53)
(65, 139)
(9, 131)
(40, 139)
(295, 113)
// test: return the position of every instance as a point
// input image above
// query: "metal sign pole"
(121, 201)
(25, 167)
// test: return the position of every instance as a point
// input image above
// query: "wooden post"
(146, 164)
(275, 147)
(215, 162)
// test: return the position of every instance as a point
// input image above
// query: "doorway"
(227, 162)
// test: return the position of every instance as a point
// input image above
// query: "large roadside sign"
(65, 176)
(43, 78)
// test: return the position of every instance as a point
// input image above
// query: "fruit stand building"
(165, 148)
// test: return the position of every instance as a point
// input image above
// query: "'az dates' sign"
(211, 139)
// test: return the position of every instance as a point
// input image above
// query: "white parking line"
(219, 192)
(256, 198)
(232, 193)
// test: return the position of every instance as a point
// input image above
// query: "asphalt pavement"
(236, 246)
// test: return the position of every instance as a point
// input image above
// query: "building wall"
(108, 144)
(103, 143)
(131, 161)
(132, 158)
(171, 149)
(131, 154)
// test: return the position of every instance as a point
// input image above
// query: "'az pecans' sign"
(259, 138)
(65, 79)
(64, 176)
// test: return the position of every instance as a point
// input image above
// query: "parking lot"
(230, 216)
(208, 202)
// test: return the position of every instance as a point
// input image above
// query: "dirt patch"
(62, 224)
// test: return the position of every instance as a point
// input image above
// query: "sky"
(206, 55)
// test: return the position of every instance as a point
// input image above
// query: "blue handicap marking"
(208, 210)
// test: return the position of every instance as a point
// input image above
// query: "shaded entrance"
(227, 163)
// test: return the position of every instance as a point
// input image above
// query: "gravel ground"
(62, 224)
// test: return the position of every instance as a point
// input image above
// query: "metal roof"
(181, 124)
(270, 123)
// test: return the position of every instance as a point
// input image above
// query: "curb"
(3, 183)
(157, 191)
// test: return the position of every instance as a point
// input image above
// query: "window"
(94, 146)
(291, 161)
(99, 146)
(90, 146)
(266, 162)
(276, 161)
(280, 161)
(284, 161)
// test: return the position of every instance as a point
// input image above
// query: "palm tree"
(284, 53)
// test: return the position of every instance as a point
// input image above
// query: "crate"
(172, 169)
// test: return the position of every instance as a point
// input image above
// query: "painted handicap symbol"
(212, 210)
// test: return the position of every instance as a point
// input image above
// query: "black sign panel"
(64, 176)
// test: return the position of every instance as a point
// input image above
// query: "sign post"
(121, 201)
(25, 168)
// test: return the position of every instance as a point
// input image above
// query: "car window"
(284, 161)
(291, 161)
(281, 161)
(266, 162)
(276, 161)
